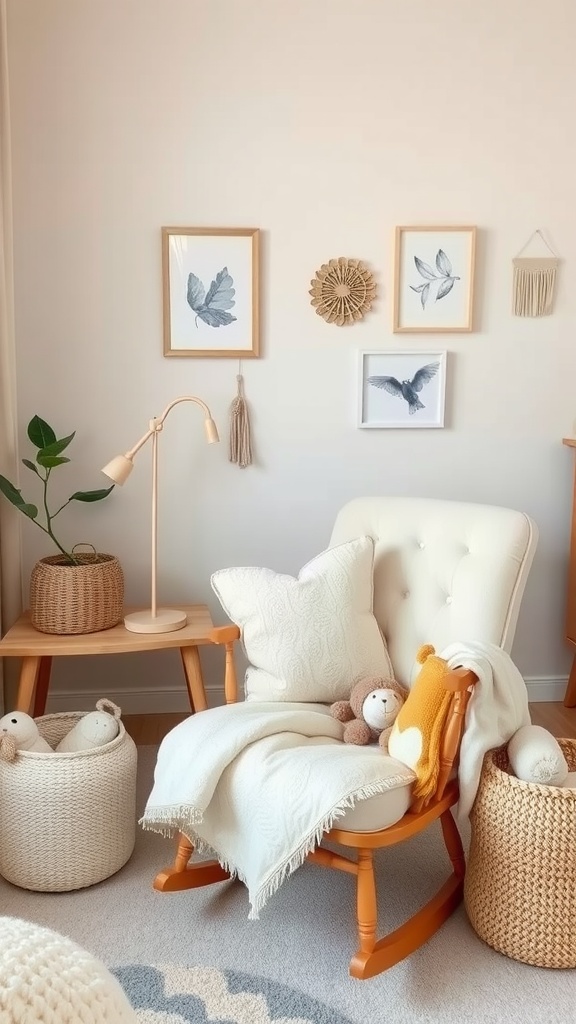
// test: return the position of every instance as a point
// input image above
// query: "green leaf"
(40, 432)
(56, 447)
(14, 495)
(91, 495)
(50, 461)
(30, 465)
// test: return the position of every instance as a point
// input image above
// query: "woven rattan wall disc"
(342, 291)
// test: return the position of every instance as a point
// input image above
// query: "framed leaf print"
(210, 292)
(434, 279)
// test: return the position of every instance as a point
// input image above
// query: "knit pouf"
(45, 978)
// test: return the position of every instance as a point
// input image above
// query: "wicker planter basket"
(81, 598)
(67, 820)
(520, 885)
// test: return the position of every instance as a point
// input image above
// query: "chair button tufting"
(421, 544)
(405, 593)
(448, 599)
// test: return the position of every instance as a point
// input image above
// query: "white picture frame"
(434, 279)
(211, 292)
(411, 398)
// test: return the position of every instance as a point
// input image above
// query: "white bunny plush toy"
(92, 730)
(18, 731)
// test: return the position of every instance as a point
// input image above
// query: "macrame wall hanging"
(240, 440)
(534, 281)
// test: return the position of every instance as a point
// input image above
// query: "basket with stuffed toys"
(67, 798)
(520, 884)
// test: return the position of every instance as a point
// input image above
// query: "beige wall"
(325, 123)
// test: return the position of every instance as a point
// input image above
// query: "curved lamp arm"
(120, 467)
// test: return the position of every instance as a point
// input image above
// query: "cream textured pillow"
(311, 638)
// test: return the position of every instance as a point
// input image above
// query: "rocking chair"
(444, 571)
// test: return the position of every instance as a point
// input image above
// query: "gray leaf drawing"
(424, 269)
(445, 286)
(196, 293)
(443, 263)
(212, 307)
(444, 276)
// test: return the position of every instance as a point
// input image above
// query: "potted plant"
(70, 592)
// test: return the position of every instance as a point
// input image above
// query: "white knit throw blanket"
(258, 783)
(497, 708)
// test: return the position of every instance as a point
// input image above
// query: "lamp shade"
(119, 469)
(211, 431)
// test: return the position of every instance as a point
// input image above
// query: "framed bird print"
(434, 279)
(402, 389)
(210, 292)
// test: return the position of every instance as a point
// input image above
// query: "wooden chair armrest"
(459, 679)
(224, 634)
(227, 636)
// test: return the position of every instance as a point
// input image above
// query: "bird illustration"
(407, 389)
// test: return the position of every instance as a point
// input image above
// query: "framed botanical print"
(434, 279)
(210, 292)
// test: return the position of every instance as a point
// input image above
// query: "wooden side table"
(37, 650)
(570, 695)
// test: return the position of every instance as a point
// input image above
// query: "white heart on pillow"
(310, 638)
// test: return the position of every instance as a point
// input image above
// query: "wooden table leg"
(194, 680)
(42, 684)
(570, 695)
(29, 671)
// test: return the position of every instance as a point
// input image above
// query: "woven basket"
(67, 820)
(520, 885)
(80, 598)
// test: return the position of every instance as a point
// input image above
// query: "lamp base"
(165, 621)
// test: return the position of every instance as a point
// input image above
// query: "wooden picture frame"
(398, 389)
(210, 288)
(434, 279)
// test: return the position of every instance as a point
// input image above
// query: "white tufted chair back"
(444, 571)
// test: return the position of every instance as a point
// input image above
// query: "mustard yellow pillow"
(417, 731)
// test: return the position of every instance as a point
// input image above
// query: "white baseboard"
(175, 700)
(546, 688)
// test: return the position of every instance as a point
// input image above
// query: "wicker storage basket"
(80, 598)
(520, 885)
(67, 820)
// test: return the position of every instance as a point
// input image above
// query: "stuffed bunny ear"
(8, 748)
(107, 705)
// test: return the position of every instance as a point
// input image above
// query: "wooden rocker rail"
(374, 955)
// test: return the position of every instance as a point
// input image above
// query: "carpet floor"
(301, 944)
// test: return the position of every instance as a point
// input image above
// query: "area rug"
(198, 995)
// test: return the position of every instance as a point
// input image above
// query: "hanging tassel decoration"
(534, 282)
(240, 441)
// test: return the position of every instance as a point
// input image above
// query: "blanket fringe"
(184, 818)
(168, 821)
(314, 838)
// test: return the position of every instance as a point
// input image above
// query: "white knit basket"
(67, 820)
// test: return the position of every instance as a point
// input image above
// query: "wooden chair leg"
(184, 875)
(374, 957)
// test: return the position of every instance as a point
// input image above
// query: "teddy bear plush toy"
(18, 731)
(371, 710)
(92, 730)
